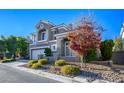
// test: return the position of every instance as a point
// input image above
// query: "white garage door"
(35, 53)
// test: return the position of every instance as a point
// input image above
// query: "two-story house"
(51, 36)
(122, 36)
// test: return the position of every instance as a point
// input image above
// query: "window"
(68, 52)
(53, 47)
(43, 36)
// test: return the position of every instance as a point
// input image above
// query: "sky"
(21, 22)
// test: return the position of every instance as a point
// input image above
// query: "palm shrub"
(106, 49)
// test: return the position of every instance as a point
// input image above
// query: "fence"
(118, 57)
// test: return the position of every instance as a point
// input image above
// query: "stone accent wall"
(118, 57)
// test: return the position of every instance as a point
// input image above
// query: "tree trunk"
(81, 58)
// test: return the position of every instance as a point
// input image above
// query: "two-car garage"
(36, 52)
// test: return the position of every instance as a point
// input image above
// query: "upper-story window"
(44, 36)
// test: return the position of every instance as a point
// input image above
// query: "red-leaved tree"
(85, 36)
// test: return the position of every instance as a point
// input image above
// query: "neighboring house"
(51, 36)
(122, 36)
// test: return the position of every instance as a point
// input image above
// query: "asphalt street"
(12, 75)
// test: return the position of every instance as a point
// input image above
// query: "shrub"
(35, 66)
(106, 49)
(91, 55)
(7, 60)
(31, 62)
(42, 61)
(60, 62)
(47, 52)
(70, 70)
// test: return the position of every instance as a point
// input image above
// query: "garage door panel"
(37, 52)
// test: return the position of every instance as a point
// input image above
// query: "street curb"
(56, 77)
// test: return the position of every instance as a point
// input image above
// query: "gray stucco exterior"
(55, 39)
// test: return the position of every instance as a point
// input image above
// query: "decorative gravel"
(94, 71)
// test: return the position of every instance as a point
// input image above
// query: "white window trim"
(42, 41)
(40, 47)
(55, 47)
(60, 34)
(52, 40)
(45, 38)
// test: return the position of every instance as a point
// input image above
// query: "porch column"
(59, 46)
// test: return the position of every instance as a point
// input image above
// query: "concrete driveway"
(12, 75)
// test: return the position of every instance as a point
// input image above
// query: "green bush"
(31, 62)
(60, 62)
(47, 52)
(35, 66)
(91, 55)
(106, 49)
(7, 60)
(70, 70)
(42, 61)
